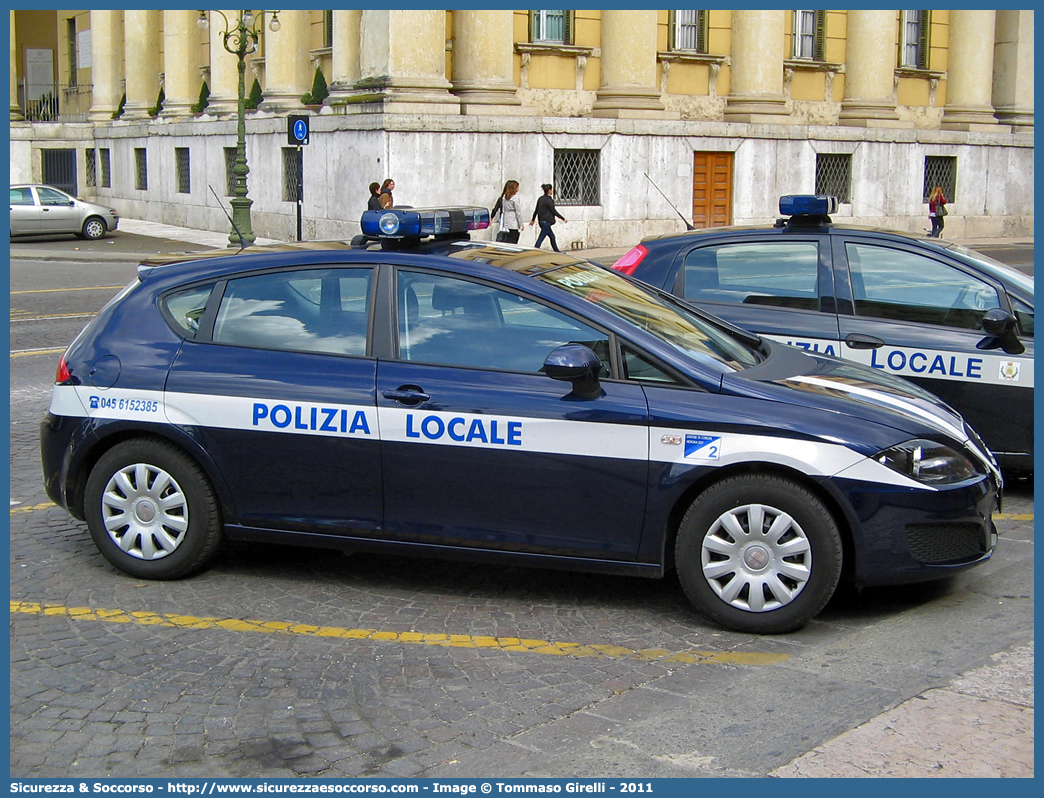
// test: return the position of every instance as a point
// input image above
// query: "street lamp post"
(240, 39)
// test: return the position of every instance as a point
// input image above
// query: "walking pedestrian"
(387, 201)
(510, 211)
(545, 213)
(936, 211)
(374, 203)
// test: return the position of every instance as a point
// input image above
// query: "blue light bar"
(421, 222)
(807, 205)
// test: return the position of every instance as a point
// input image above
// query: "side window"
(48, 196)
(319, 310)
(186, 308)
(22, 196)
(454, 322)
(640, 369)
(783, 274)
(904, 286)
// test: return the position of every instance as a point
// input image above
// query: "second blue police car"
(416, 392)
(945, 317)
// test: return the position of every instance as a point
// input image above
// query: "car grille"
(947, 543)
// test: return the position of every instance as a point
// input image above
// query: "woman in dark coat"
(374, 203)
(545, 213)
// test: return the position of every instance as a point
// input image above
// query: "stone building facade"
(638, 116)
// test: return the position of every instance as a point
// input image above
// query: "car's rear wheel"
(151, 510)
(93, 228)
(759, 554)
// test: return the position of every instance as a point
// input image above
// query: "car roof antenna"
(242, 241)
(687, 225)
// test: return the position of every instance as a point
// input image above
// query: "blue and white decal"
(939, 364)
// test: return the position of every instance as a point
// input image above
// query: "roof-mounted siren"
(806, 209)
(409, 224)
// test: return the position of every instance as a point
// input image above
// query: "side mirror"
(577, 364)
(999, 326)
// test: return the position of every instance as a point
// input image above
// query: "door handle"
(860, 341)
(407, 395)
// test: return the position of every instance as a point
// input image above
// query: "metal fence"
(54, 102)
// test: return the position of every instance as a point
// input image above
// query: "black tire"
(162, 514)
(787, 572)
(93, 228)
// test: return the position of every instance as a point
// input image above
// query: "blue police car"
(950, 319)
(416, 392)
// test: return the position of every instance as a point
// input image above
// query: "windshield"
(672, 324)
(994, 267)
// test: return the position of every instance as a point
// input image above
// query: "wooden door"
(712, 189)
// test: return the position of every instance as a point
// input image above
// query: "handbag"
(940, 209)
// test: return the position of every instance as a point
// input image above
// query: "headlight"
(929, 462)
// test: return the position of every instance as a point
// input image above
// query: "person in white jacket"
(510, 213)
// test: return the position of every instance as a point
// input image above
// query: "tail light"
(62, 375)
(629, 262)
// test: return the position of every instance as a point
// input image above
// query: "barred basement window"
(834, 176)
(90, 172)
(181, 163)
(141, 172)
(689, 31)
(940, 170)
(293, 164)
(106, 168)
(577, 174)
(230, 177)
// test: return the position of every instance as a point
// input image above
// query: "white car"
(43, 210)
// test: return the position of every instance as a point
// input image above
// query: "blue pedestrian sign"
(297, 129)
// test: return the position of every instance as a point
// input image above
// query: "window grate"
(940, 170)
(293, 165)
(181, 162)
(141, 172)
(90, 171)
(577, 177)
(230, 176)
(834, 176)
(106, 168)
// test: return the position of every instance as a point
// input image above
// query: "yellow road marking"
(15, 317)
(444, 640)
(58, 290)
(1013, 516)
(32, 508)
(30, 352)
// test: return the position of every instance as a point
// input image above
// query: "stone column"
(756, 87)
(483, 74)
(141, 43)
(627, 86)
(224, 77)
(402, 63)
(16, 109)
(106, 47)
(1013, 69)
(969, 85)
(344, 62)
(288, 67)
(181, 80)
(870, 70)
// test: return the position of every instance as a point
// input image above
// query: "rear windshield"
(672, 324)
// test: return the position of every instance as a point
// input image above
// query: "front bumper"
(901, 535)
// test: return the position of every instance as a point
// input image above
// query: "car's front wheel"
(759, 554)
(151, 510)
(93, 228)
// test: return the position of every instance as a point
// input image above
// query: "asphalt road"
(283, 662)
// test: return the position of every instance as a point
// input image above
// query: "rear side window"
(185, 308)
(905, 286)
(21, 196)
(318, 310)
(1024, 313)
(783, 274)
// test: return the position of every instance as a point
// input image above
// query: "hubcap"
(756, 558)
(145, 511)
